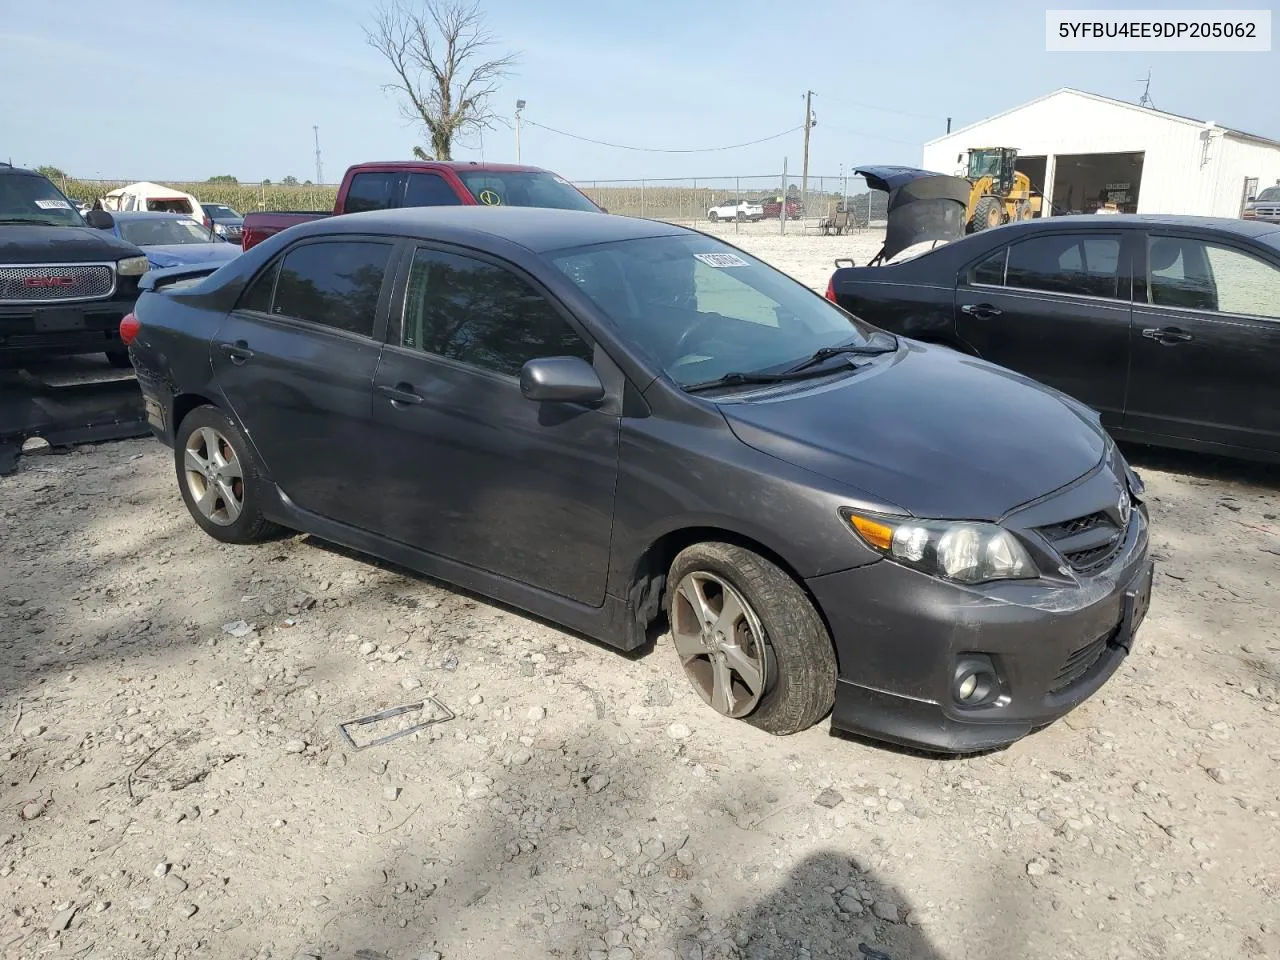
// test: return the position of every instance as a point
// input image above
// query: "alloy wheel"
(214, 476)
(720, 642)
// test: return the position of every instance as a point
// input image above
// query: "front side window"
(1066, 263)
(333, 284)
(32, 199)
(482, 314)
(1200, 275)
(699, 309)
(373, 191)
(990, 270)
(429, 190)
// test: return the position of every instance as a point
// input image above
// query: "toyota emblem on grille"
(42, 282)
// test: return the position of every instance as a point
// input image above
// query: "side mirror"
(1251, 199)
(560, 380)
(100, 219)
(604, 209)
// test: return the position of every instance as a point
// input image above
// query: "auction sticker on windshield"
(721, 259)
(53, 205)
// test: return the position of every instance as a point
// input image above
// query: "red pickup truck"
(430, 183)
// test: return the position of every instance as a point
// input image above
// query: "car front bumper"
(29, 332)
(900, 634)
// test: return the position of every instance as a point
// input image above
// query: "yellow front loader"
(998, 193)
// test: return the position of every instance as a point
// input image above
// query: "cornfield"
(242, 197)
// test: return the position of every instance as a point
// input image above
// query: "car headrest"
(1164, 253)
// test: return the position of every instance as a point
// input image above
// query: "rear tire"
(713, 217)
(795, 654)
(220, 478)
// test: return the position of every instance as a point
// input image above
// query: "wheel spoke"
(721, 686)
(231, 469)
(745, 667)
(691, 589)
(207, 502)
(688, 646)
(193, 461)
(229, 501)
(730, 613)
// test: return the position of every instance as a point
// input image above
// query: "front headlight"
(132, 266)
(961, 551)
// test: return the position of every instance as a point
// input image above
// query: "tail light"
(130, 327)
(831, 289)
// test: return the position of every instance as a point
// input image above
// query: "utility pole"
(804, 176)
(948, 124)
(319, 169)
(519, 107)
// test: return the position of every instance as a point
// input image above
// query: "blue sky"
(181, 89)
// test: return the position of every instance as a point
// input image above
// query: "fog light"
(975, 682)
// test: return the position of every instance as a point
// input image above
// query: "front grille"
(1088, 543)
(57, 283)
(1079, 663)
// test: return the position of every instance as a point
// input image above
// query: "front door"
(1056, 308)
(468, 468)
(295, 361)
(1206, 344)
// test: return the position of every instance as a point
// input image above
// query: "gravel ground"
(174, 784)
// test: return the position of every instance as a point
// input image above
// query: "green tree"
(290, 181)
(435, 50)
(53, 173)
(223, 178)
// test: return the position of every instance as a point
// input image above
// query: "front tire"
(713, 217)
(987, 213)
(749, 639)
(220, 478)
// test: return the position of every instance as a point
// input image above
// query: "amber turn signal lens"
(877, 534)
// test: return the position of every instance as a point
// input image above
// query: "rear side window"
(1065, 263)
(333, 284)
(429, 190)
(373, 191)
(481, 314)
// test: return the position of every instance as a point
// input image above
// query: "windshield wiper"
(736, 379)
(868, 349)
(40, 223)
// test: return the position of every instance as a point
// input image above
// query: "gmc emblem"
(43, 282)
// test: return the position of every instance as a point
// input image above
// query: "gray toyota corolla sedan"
(622, 425)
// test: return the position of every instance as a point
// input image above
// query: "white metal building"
(1080, 148)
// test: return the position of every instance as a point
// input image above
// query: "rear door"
(295, 363)
(1055, 306)
(1206, 342)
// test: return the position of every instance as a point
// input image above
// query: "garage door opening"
(1034, 168)
(1084, 182)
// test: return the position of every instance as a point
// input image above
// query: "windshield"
(699, 309)
(983, 164)
(150, 233)
(32, 199)
(1271, 193)
(220, 212)
(524, 189)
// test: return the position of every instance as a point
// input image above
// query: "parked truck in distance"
(430, 183)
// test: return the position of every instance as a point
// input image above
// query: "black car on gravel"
(64, 286)
(1168, 326)
(621, 425)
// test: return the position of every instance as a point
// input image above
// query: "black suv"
(64, 286)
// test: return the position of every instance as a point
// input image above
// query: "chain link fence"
(830, 205)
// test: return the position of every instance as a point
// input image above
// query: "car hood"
(34, 243)
(184, 254)
(942, 435)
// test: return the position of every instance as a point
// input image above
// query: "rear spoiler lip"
(154, 280)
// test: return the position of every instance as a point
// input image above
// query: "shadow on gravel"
(1206, 466)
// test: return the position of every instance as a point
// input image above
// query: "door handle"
(239, 351)
(981, 310)
(1167, 335)
(400, 393)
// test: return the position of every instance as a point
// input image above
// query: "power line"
(872, 106)
(622, 146)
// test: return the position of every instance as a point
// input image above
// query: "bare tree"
(436, 48)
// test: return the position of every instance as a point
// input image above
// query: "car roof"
(538, 229)
(1137, 221)
(458, 165)
(6, 170)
